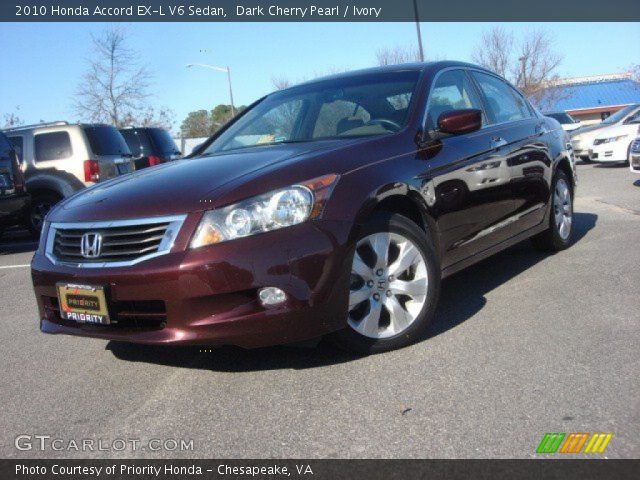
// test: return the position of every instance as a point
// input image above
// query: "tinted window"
(52, 146)
(5, 147)
(106, 140)
(504, 104)
(17, 143)
(162, 141)
(137, 141)
(635, 118)
(453, 90)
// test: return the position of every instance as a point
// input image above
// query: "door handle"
(497, 142)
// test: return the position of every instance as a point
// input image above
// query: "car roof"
(402, 67)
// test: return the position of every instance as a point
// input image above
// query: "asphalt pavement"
(524, 344)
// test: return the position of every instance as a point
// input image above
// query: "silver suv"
(59, 158)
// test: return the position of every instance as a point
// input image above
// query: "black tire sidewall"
(558, 241)
(351, 340)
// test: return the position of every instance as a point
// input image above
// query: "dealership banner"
(316, 10)
(319, 469)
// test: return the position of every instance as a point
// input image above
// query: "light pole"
(227, 70)
(415, 11)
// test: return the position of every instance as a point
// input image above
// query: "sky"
(44, 62)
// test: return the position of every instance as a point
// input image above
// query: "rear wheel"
(41, 203)
(558, 235)
(395, 283)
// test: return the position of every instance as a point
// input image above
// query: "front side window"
(453, 90)
(52, 146)
(619, 115)
(635, 118)
(504, 104)
(339, 108)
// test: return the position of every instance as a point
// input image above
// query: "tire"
(586, 159)
(41, 203)
(387, 306)
(558, 236)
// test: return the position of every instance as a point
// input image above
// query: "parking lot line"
(14, 266)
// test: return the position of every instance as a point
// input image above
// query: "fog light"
(271, 296)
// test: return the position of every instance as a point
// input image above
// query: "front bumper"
(634, 162)
(208, 296)
(610, 152)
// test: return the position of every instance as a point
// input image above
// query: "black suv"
(150, 146)
(14, 199)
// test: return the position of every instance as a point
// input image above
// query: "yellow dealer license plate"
(83, 303)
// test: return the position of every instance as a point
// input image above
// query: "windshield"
(347, 107)
(562, 117)
(106, 140)
(620, 114)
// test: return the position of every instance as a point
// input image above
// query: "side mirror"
(456, 122)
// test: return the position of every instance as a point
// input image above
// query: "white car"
(583, 138)
(634, 156)
(567, 122)
(614, 144)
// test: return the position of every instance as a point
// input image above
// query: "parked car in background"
(567, 122)
(332, 208)
(14, 199)
(59, 158)
(634, 156)
(582, 138)
(613, 145)
(150, 146)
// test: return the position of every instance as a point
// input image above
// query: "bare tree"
(115, 87)
(12, 119)
(280, 83)
(397, 55)
(494, 51)
(529, 64)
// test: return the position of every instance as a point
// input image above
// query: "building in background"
(592, 99)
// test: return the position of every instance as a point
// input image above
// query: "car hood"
(179, 187)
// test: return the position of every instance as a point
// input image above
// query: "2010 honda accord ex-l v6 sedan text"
(332, 208)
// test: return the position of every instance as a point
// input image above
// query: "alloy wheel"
(389, 284)
(562, 208)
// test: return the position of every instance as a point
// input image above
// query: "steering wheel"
(385, 122)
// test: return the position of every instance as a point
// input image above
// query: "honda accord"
(330, 209)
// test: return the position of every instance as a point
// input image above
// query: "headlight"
(600, 141)
(271, 211)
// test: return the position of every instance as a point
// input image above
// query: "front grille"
(138, 314)
(119, 243)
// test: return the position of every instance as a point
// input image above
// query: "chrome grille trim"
(148, 238)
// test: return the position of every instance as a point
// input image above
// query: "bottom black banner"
(319, 469)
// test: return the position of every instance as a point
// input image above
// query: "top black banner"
(318, 10)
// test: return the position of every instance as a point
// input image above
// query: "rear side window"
(52, 146)
(106, 140)
(18, 145)
(5, 148)
(162, 141)
(503, 102)
(453, 90)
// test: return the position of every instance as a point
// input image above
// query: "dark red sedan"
(332, 208)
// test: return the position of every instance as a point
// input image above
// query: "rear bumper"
(209, 296)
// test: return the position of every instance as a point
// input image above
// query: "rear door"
(110, 150)
(526, 140)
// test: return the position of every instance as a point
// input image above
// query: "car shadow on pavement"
(462, 296)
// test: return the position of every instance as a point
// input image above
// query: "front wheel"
(558, 235)
(395, 284)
